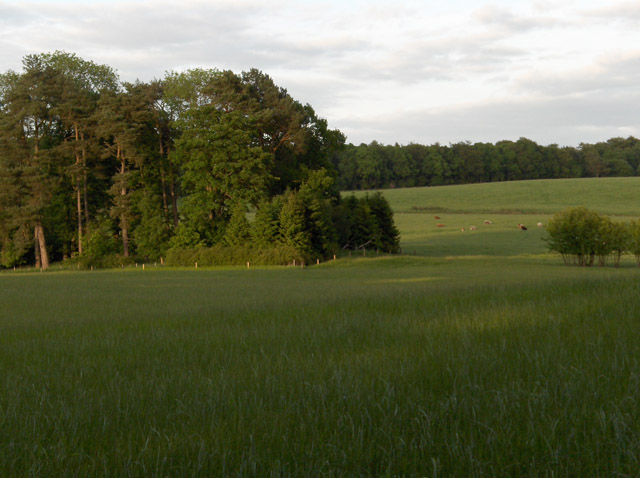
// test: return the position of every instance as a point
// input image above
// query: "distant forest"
(375, 166)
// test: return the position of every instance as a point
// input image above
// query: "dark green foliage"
(266, 224)
(375, 166)
(151, 235)
(77, 144)
(316, 194)
(220, 166)
(238, 229)
(366, 223)
(388, 236)
(14, 246)
(101, 241)
(294, 232)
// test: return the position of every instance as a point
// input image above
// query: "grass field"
(501, 362)
(504, 204)
(611, 196)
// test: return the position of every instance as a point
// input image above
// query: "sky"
(557, 72)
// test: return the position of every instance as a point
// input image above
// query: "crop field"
(479, 356)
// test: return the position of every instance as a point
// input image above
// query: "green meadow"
(506, 205)
(480, 355)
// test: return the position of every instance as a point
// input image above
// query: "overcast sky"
(425, 71)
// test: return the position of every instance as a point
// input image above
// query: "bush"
(634, 239)
(579, 235)
(619, 240)
(101, 246)
(573, 234)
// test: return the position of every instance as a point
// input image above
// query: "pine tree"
(237, 231)
(293, 228)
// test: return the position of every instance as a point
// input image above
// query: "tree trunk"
(123, 192)
(78, 192)
(36, 242)
(163, 180)
(41, 247)
(84, 183)
(162, 177)
(79, 214)
(125, 242)
(174, 200)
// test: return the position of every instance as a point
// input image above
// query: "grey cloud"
(137, 37)
(327, 54)
(610, 74)
(623, 11)
(567, 121)
(505, 19)
(14, 15)
(420, 60)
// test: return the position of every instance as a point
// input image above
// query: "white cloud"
(369, 65)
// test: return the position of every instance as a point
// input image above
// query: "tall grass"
(377, 367)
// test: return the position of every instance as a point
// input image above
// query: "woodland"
(101, 171)
(219, 167)
(374, 165)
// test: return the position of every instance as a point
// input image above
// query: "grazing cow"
(462, 229)
(436, 217)
(439, 225)
(486, 221)
(472, 228)
(522, 227)
(539, 224)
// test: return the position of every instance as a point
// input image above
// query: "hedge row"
(220, 255)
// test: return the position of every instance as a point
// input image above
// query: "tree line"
(94, 168)
(373, 166)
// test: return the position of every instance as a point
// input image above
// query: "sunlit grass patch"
(404, 280)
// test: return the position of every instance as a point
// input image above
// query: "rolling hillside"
(612, 196)
(504, 204)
